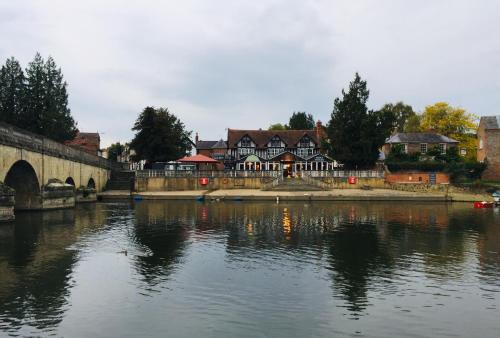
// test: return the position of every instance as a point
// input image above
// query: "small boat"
(496, 197)
(200, 198)
(138, 197)
(481, 205)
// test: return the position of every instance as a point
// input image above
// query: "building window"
(405, 148)
(463, 151)
(423, 148)
(442, 148)
(480, 143)
(304, 152)
(275, 142)
(305, 142)
(271, 152)
(245, 151)
(246, 142)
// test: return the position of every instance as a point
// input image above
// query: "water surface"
(188, 269)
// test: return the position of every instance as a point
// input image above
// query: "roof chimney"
(319, 128)
(196, 138)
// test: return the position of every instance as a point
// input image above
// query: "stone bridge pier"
(37, 173)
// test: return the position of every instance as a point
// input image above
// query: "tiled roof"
(491, 122)
(262, 137)
(419, 138)
(205, 144)
(221, 144)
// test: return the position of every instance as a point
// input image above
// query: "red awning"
(198, 159)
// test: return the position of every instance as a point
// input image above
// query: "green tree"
(412, 124)
(46, 109)
(277, 126)
(301, 121)
(12, 91)
(160, 136)
(115, 150)
(355, 133)
(402, 113)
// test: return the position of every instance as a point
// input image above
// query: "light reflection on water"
(252, 269)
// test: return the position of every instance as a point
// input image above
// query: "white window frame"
(442, 148)
(481, 143)
(405, 148)
(422, 147)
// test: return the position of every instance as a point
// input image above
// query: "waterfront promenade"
(330, 195)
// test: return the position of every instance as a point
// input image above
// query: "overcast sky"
(247, 64)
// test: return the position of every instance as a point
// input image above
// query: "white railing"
(346, 173)
(206, 173)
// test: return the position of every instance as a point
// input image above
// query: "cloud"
(247, 64)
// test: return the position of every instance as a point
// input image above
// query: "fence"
(257, 174)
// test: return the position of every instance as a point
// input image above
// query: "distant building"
(88, 142)
(419, 142)
(289, 151)
(488, 135)
(213, 149)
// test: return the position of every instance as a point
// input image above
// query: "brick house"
(88, 142)
(419, 142)
(213, 149)
(488, 135)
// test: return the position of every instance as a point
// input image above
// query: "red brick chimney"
(318, 129)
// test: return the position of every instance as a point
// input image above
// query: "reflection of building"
(419, 142)
(488, 135)
(287, 150)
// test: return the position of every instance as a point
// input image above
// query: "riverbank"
(330, 195)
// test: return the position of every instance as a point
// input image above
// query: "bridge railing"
(16, 137)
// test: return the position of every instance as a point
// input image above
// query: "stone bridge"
(44, 174)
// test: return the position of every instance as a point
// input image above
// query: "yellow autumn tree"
(453, 122)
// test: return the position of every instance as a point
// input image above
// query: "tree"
(301, 121)
(115, 150)
(355, 133)
(160, 136)
(46, 109)
(453, 122)
(412, 124)
(12, 91)
(277, 126)
(402, 113)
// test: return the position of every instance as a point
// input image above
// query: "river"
(238, 269)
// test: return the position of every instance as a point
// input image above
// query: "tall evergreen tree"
(12, 91)
(46, 106)
(355, 133)
(160, 136)
(301, 121)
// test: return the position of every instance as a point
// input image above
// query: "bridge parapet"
(16, 137)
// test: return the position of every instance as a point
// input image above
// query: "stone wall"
(192, 183)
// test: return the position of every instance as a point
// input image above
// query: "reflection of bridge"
(31, 165)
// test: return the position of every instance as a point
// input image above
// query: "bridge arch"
(22, 178)
(91, 183)
(70, 180)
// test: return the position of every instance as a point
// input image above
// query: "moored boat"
(481, 205)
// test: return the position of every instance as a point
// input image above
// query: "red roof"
(198, 159)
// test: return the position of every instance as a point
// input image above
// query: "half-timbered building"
(290, 151)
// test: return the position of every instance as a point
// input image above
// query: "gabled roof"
(262, 137)
(419, 138)
(204, 145)
(221, 144)
(491, 122)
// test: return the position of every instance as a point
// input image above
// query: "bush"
(420, 166)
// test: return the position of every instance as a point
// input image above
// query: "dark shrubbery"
(459, 168)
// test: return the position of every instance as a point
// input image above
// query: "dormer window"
(305, 142)
(246, 142)
(275, 142)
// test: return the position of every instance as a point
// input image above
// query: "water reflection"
(229, 266)
(36, 267)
